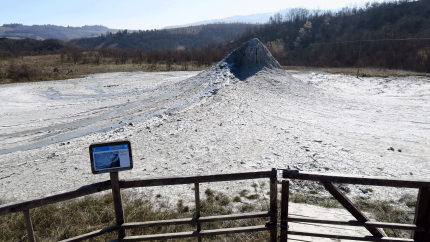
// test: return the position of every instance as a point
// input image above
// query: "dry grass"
(364, 72)
(57, 67)
(388, 211)
(54, 67)
(79, 216)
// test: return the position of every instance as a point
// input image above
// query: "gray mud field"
(243, 114)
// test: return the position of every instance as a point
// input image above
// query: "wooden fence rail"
(350, 179)
(55, 198)
(116, 185)
(422, 214)
(420, 229)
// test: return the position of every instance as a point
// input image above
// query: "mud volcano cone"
(250, 58)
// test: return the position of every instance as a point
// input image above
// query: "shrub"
(224, 201)
(209, 192)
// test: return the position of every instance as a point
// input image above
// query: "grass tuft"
(209, 192)
(243, 193)
(253, 196)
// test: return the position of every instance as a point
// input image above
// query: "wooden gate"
(420, 227)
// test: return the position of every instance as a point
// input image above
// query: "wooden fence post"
(197, 198)
(117, 200)
(422, 215)
(274, 205)
(285, 197)
(29, 226)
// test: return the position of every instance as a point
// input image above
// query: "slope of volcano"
(244, 113)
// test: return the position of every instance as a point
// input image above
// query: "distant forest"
(392, 34)
(22, 47)
(172, 39)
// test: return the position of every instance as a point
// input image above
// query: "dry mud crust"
(225, 119)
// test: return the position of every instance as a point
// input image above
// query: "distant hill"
(187, 37)
(51, 31)
(259, 18)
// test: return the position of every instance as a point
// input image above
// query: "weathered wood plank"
(349, 179)
(54, 198)
(92, 234)
(117, 201)
(29, 226)
(195, 220)
(274, 206)
(345, 237)
(355, 223)
(285, 197)
(199, 233)
(103, 186)
(195, 179)
(422, 214)
(348, 205)
(197, 201)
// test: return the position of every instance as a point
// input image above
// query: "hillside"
(387, 35)
(30, 46)
(51, 31)
(258, 18)
(187, 37)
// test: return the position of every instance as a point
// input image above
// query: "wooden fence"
(121, 226)
(420, 228)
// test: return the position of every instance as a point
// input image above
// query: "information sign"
(111, 157)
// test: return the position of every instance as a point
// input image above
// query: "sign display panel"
(111, 157)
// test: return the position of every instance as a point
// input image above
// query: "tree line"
(198, 57)
(186, 37)
(392, 34)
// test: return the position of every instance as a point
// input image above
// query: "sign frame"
(113, 145)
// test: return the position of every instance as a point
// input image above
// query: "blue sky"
(143, 14)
